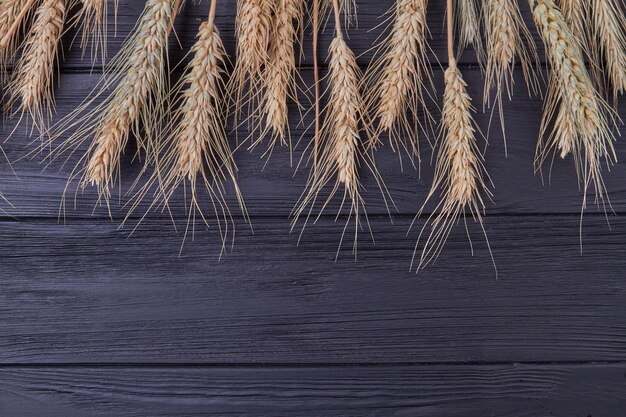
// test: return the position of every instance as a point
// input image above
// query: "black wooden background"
(96, 323)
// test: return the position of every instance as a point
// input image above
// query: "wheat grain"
(341, 150)
(138, 75)
(253, 30)
(468, 27)
(280, 77)
(609, 26)
(32, 82)
(507, 40)
(575, 12)
(459, 173)
(582, 119)
(400, 75)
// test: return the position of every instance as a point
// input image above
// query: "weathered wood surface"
(428, 391)
(85, 293)
(95, 323)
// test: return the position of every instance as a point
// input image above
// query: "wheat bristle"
(398, 78)
(582, 119)
(468, 27)
(93, 21)
(32, 84)
(459, 174)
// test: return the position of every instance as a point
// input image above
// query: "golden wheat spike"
(280, 74)
(581, 120)
(459, 178)
(137, 77)
(13, 15)
(467, 17)
(398, 78)
(253, 28)
(31, 87)
(195, 152)
(508, 41)
(341, 151)
(609, 34)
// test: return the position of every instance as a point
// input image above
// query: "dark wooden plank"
(371, 23)
(428, 391)
(86, 293)
(270, 188)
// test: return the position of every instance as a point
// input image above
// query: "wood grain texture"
(84, 293)
(428, 391)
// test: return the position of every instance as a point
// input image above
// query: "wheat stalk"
(13, 14)
(582, 119)
(507, 40)
(468, 27)
(253, 30)
(398, 78)
(32, 82)
(459, 173)
(280, 73)
(195, 151)
(341, 150)
(609, 26)
(138, 74)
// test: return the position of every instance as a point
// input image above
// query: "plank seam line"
(286, 365)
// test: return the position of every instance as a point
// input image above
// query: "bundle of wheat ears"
(182, 128)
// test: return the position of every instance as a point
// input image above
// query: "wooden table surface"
(96, 323)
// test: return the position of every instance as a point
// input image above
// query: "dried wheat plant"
(195, 152)
(31, 88)
(13, 15)
(581, 120)
(341, 151)
(609, 31)
(398, 78)
(280, 76)
(468, 27)
(138, 76)
(507, 41)
(253, 28)
(460, 175)
(93, 20)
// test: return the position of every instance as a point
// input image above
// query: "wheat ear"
(507, 40)
(13, 14)
(582, 120)
(138, 75)
(575, 12)
(609, 26)
(468, 27)
(459, 174)
(280, 73)
(253, 29)
(341, 150)
(32, 83)
(398, 78)
(195, 151)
